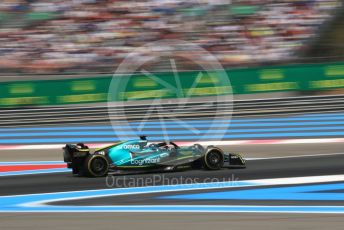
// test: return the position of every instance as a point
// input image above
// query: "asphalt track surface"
(256, 169)
(320, 164)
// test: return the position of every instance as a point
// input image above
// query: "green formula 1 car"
(142, 156)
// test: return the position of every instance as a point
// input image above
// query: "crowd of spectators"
(60, 36)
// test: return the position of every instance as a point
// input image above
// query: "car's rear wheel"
(96, 166)
(213, 159)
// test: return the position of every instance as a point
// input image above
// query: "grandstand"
(62, 36)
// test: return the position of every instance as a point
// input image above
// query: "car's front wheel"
(96, 166)
(213, 159)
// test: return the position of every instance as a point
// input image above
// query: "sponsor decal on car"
(131, 146)
(145, 161)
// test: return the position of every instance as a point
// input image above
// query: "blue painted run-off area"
(322, 192)
(297, 126)
(36, 202)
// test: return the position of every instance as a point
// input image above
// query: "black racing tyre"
(213, 159)
(96, 166)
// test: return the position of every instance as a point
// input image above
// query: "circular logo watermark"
(150, 94)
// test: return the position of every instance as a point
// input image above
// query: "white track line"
(298, 156)
(299, 180)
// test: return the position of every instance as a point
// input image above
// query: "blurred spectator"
(54, 36)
